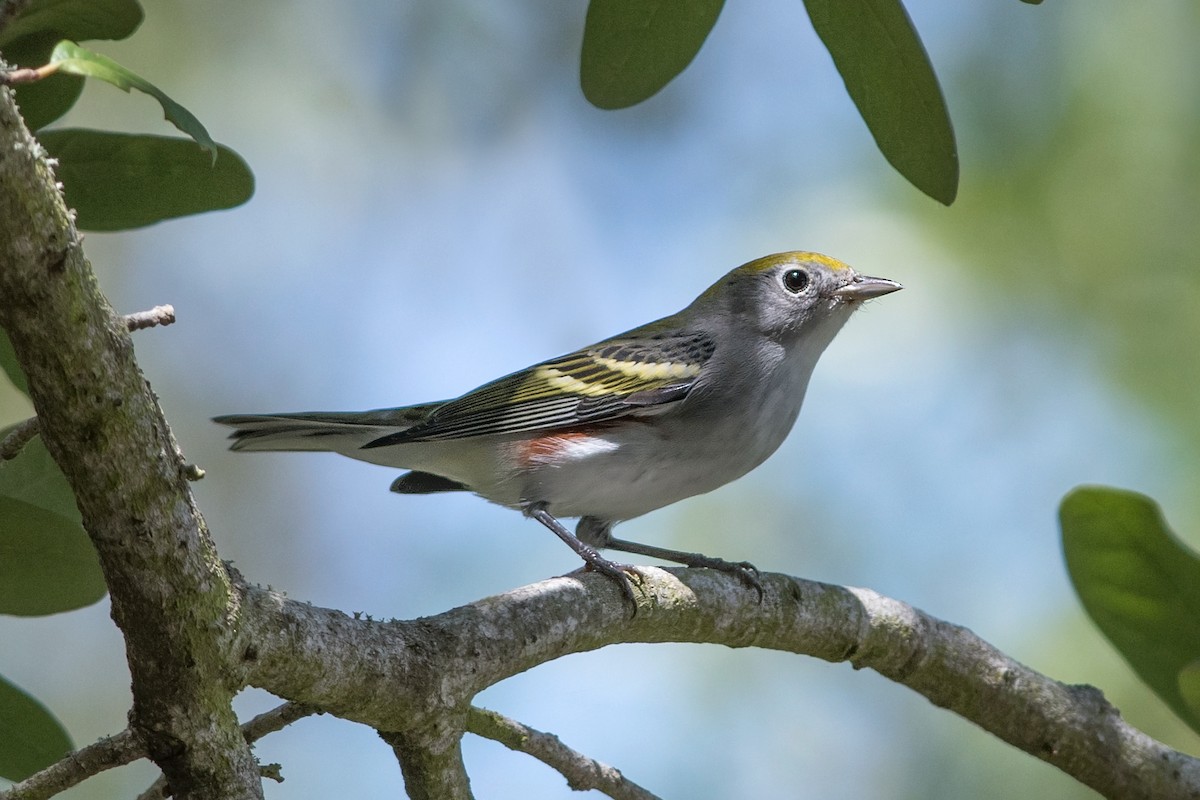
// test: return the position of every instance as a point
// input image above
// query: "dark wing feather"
(603, 382)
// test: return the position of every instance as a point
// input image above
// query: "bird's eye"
(795, 280)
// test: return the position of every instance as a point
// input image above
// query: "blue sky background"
(438, 205)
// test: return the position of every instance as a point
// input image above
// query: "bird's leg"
(590, 555)
(598, 534)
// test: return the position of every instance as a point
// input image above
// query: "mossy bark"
(171, 596)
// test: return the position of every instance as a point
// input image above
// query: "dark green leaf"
(8, 362)
(1032, 2)
(633, 48)
(29, 39)
(47, 563)
(889, 77)
(117, 181)
(78, 20)
(76, 60)
(46, 100)
(33, 477)
(1139, 584)
(33, 739)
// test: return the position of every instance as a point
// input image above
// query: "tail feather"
(319, 430)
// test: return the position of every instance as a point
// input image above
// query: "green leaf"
(78, 20)
(8, 362)
(1139, 584)
(33, 739)
(116, 181)
(1189, 686)
(44, 101)
(29, 39)
(889, 77)
(47, 562)
(633, 48)
(76, 60)
(33, 477)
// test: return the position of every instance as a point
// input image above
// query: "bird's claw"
(619, 573)
(744, 571)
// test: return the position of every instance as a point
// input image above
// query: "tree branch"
(113, 751)
(21, 435)
(159, 315)
(432, 770)
(276, 719)
(124, 748)
(408, 675)
(582, 773)
(102, 425)
(265, 723)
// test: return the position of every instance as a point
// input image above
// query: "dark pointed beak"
(864, 288)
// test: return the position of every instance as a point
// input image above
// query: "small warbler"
(622, 427)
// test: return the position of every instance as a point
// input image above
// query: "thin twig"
(277, 719)
(15, 77)
(124, 748)
(582, 773)
(113, 751)
(159, 315)
(21, 435)
(193, 472)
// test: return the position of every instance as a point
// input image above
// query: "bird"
(617, 429)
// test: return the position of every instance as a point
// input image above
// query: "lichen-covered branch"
(124, 748)
(582, 773)
(410, 675)
(265, 723)
(170, 593)
(433, 767)
(112, 751)
(16, 439)
(159, 315)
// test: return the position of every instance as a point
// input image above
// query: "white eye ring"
(796, 280)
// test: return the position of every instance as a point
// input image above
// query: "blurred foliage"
(633, 48)
(117, 181)
(72, 59)
(1082, 202)
(1077, 216)
(44, 101)
(114, 181)
(79, 20)
(889, 77)
(47, 563)
(28, 40)
(41, 742)
(1139, 584)
(8, 363)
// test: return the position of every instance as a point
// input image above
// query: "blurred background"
(438, 205)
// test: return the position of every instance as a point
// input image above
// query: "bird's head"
(786, 295)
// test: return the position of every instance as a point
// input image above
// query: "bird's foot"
(744, 571)
(619, 573)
